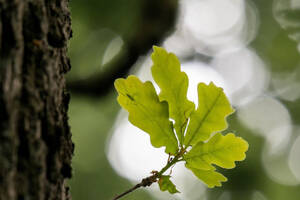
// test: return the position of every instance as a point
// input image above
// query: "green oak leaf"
(174, 85)
(210, 116)
(147, 112)
(210, 177)
(152, 113)
(165, 183)
(220, 150)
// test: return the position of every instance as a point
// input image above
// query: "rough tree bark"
(35, 138)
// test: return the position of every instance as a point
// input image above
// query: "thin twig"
(156, 175)
(144, 183)
(128, 191)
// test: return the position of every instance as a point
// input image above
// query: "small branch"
(128, 191)
(144, 183)
(156, 175)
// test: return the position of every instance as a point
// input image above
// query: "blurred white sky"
(220, 30)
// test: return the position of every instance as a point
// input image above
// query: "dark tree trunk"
(35, 138)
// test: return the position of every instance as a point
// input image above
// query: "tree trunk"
(35, 138)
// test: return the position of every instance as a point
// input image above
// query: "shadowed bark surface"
(35, 138)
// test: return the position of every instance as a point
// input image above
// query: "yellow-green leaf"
(147, 112)
(210, 177)
(173, 84)
(220, 150)
(165, 183)
(210, 116)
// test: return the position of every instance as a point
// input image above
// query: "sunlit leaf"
(210, 116)
(220, 150)
(152, 113)
(173, 84)
(147, 112)
(210, 177)
(165, 184)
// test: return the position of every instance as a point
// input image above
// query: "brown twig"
(156, 175)
(144, 183)
(128, 191)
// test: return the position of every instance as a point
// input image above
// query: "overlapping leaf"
(174, 85)
(220, 150)
(165, 184)
(147, 112)
(210, 116)
(210, 177)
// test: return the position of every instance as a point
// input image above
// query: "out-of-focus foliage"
(99, 31)
(268, 117)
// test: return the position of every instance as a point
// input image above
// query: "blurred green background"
(251, 48)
